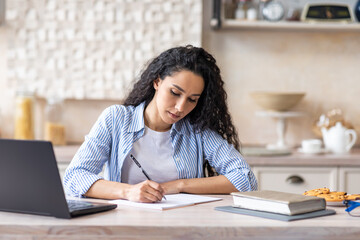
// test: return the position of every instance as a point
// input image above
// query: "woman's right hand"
(147, 192)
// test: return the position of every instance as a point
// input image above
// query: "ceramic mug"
(311, 145)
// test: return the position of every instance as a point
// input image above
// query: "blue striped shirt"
(111, 139)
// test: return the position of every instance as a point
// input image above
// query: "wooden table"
(193, 222)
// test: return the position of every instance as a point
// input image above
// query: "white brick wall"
(93, 49)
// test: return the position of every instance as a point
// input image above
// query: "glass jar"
(24, 126)
(240, 12)
(251, 12)
(54, 126)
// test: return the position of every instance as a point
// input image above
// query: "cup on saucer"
(311, 146)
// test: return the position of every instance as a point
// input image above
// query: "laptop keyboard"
(75, 205)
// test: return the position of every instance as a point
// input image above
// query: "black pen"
(138, 164)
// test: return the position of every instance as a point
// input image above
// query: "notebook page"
(173, 201)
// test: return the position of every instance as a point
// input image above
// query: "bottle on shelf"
(24, 115)
(251, 12)
(240, 12)
(54, 126)
(229, 8)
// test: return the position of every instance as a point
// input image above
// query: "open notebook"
(172, 201)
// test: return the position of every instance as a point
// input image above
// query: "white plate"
(321, 151)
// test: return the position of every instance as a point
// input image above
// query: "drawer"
(296, 179)
(349, 180)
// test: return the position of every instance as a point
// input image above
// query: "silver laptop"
(30, 182)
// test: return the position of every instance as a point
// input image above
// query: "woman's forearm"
(107, 190)
(209, 185)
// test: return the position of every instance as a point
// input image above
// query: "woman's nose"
(180, 105)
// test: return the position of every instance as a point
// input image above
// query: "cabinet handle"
(294, 179)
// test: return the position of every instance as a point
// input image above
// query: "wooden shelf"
(284, 25)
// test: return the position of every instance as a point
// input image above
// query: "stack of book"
(277, 205)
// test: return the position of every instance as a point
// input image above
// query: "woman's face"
(177, 95)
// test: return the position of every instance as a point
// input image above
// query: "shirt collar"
(137, 122)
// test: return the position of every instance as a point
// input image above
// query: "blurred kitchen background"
(88, 53)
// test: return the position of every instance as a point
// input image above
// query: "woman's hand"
(147, 191)
(172, 187)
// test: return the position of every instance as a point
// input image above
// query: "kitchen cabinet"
(349, 179)
(301, 179)
(295, 179)
(299, 172)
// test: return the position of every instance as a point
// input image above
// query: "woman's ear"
(156, 83)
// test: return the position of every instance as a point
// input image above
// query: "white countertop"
(64, 154)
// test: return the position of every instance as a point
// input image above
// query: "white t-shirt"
(154, 152)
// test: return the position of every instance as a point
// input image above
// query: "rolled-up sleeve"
(228, 161)
(89, 160)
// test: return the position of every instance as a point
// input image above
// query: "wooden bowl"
(277, 101)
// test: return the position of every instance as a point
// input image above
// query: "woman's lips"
(174, 116)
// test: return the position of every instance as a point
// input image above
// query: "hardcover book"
(278, 202)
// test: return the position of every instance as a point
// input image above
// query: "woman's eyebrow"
(182, 90)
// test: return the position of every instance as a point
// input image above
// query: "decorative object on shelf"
(240, 12)
(311, 146)
(277, 101)
(281, 124)
(357, 10)
(324, 12)
(273, 10)
(329, 120)
(339, 139)
(229, 8)
(251, 12)
(54, 127)
(2, 11)
(277, 106)
(24, 115)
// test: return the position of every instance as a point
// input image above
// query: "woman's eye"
(192, 100)
(173, 93)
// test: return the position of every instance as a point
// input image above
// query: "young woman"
(174, 119)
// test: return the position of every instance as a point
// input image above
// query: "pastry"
(317, 191)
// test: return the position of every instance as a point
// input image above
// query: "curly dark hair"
(211, 111)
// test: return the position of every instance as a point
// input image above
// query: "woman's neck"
(153, 120)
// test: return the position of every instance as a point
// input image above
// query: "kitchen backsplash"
(92, 49)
